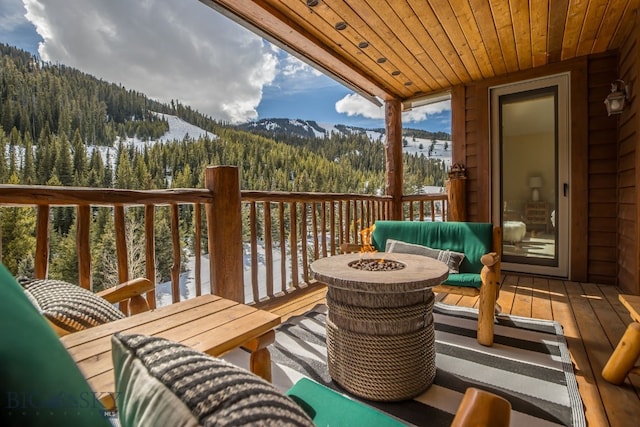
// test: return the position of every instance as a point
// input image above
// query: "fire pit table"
(380, 335)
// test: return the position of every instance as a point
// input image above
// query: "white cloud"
(166, 49)
(355, 105)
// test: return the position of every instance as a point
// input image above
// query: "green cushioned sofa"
(479, 272)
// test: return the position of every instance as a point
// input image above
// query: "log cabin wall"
(628, 178)
(593, 149)
(602, 179)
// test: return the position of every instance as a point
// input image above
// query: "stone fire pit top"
(420, 272)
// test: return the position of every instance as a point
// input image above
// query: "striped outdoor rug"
(529, 364)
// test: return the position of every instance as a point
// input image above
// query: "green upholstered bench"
(479, 271)
(330, 408)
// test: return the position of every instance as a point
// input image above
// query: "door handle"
(565, 189)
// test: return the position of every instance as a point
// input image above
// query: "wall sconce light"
(535, 182)
(617, 99)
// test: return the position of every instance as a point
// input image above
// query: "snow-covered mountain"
(414, 141)
(303, 128)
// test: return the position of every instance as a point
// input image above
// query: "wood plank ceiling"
(410, 49)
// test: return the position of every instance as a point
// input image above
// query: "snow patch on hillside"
(178, 131)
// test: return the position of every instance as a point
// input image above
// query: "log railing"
(262, 243)
(288, 231)
(280, 253)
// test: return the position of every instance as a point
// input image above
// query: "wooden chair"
(70, 308)
(131, 293)
(624, 357)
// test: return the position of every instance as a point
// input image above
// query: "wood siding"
(593, 149)
(628, 178)
(602, 166)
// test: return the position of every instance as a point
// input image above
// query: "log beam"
(393, 152)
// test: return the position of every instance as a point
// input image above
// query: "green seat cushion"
(464, 279)
(40, 384)
(330, 408)
(473, 239)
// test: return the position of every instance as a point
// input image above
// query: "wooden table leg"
(624, 357)
(260, 361)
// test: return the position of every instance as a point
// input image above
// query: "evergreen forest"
(62, 127)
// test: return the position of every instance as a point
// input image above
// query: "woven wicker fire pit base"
(383, 354)
(380, 337)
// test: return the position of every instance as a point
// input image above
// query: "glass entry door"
(530, 174)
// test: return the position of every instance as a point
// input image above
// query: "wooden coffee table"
(207, 323)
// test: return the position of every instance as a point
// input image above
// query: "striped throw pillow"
(160, 382)
(67, 306)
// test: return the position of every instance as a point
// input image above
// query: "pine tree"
(79, 160)
(28, 167)
(18, 237)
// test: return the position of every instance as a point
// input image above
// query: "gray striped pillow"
(68, 306)
(160, 382)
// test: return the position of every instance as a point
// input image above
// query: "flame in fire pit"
(365, 234)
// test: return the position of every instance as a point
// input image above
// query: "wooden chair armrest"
(480, 408)
(126, 290)
(490, 259)
(346, 248)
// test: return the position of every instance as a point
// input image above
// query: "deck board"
(593, 321)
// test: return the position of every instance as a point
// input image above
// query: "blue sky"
(185, 50)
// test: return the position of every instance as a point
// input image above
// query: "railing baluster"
(121, 249)
(324, 229)
(268, 248)
(341, 226)
(303, 240)
(293, 242)
(254, 252)
(314, 226)
(150, 250)
(177, 258)
(332, 219)
(83, 248)
(283, 249)
(41, 260)
(197, 247)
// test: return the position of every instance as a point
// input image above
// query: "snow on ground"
(441, 149)
(187, 284)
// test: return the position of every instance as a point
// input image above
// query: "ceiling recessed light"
(408, 83)
(341, 26)
(312, 3)
(363, 45)
(395, 73)
(381, 60)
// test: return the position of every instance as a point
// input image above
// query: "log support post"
(393, 154)
(456, 192)
(224, 232)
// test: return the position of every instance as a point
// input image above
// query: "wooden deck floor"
(593, 320)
